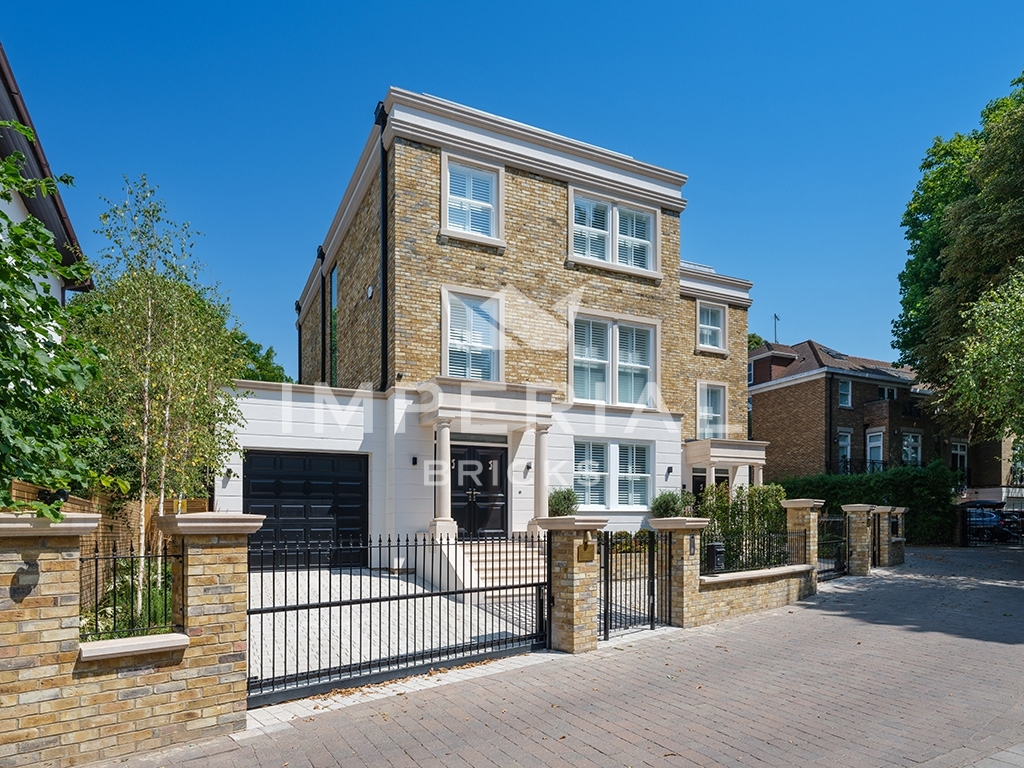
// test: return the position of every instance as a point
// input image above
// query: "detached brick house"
(823, 411)
(525, 324)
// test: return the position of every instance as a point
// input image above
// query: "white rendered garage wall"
(17, 211)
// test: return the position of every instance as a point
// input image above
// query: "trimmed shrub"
(672, 504)
(752, 510)
(562, 502)
(927, 493)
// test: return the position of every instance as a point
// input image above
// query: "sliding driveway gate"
(634, 576)
(322, 618)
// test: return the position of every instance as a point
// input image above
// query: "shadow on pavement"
(973, 593)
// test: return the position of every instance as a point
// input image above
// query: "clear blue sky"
(800, 125)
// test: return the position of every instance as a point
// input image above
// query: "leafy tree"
(754, 341)
(965, 225)
(172, 355)
(986, 371)
(43, 368)
(258, 364)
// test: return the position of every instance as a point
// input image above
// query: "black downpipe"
(324, 325)
(381, 119)
(829, 380)
(298, 328)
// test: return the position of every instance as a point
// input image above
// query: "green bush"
(926, 492)
(622, 541)
(672, 504)
(562, 502)
(752, 510)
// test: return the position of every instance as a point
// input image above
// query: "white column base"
(443, 528)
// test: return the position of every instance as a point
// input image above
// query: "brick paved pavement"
(917, 665)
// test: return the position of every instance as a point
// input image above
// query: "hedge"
(926, 492)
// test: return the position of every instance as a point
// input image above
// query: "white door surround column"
(540, 476)
(443, 525)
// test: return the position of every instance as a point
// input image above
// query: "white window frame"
(844, 440)
(593, 362)
(723, 329)
(498, 362)
(848, 393)
(959, 448)
(497, 238)
(750, 373)
(869, 463)
(616, 322)
(588, 474)
(613, 476)
(919, 445)
(611, 262)
(884, 393)
(702, 387)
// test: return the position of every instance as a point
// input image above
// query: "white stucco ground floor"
(455, 456)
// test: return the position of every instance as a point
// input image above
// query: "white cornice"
(441, 123)
(701, 284)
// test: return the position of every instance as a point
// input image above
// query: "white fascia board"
(820, 373)
(713, 287)
(763, 355)
(441, 123)
(768, 386)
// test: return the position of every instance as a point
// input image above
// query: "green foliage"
(926, 492)
(258, 364)
(43, 368)
(965, 225)
(173, 352)
(754, 341)
(562, 502)
(672, 504)
(752, 510)
(987, 370)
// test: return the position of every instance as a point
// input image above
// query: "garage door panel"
(316, 500)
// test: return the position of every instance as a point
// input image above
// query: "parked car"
(1010, 521)
(986, 525)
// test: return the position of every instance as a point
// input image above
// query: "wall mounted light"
(415, 461)
(529, 466)
(669, 471)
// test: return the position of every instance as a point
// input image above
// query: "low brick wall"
(733, 594)
(66, 703)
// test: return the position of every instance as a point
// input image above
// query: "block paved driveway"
(919, 665)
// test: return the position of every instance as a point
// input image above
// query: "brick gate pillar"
(685, 565)
(860, 522)
(572, 542)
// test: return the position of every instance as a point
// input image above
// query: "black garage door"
(313, 502)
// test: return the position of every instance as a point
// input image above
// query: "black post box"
(716, 556)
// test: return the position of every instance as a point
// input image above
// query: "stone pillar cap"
(23, 525)
(209, 523)
(858, 507)
(571, 523)
(803, 503)
(678, 523)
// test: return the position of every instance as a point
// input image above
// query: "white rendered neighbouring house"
(526, 324)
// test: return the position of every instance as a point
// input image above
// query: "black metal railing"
(833, 547)
(860, 466)
(128, 594)
(754, 551)
(634, 575)
(336, 616)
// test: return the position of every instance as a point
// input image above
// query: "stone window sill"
(132, 646)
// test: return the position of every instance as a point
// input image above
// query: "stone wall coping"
(132, 646)
(571, 523)
(678, 523)
(803, 503)
(209, 523)
(858, 507)
(23, 525)
(883, 510)
(758, 575)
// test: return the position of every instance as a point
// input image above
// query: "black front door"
(480, 490)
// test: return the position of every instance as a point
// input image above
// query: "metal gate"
(833, 546)
(635, 585)
(327, 617)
